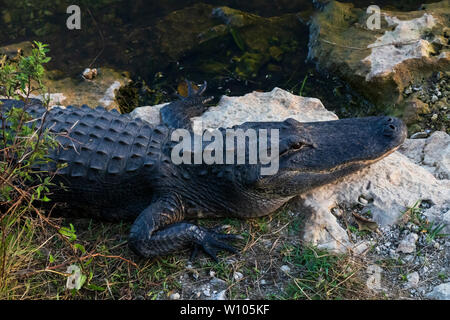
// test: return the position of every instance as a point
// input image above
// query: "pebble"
(424, 270)
(238, 276)
(285, 268)
(440, 292)
(393, 254)
(419, 135)
(207, 292)
(363, 200)
(175, 296)
(374, 279)
(434, 117)
(408, 258)
(361, 247)
(413, 279)
(411, 226)
(408, 244)
(408, 90)
(89, 74)
(336, 212)
(222, 295)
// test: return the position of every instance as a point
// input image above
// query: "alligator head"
(316, 153)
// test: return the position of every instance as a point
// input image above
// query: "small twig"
(102, 38)
(374, 46)
(109, 289)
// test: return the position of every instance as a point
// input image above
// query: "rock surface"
(390, 186)
(432, 153)
(276, 105)
(385, 55)
(248, 43)
(393, 184)
(413, 280)
(380, 63)
(440, 292)
(408, 244)
(150, 114)
(101, 90)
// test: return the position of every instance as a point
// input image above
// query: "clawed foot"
(195, 93)
(214, 241)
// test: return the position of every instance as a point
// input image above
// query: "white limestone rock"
(393, 184)
(408, 244)
(437, 154)
(440, 292)
(373, 281)
(175, 296)
(432, 153)
(386, 54)
(276, 105)
(413, 280)
(110, 94)
(383, 62)
(151, 114)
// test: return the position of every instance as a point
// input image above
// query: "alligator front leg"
(159, 230)
(178, 114)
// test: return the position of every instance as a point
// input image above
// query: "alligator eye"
(297, 145)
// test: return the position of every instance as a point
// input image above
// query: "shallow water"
(136, 37)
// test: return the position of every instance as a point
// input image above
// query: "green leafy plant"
(432, 230)
(300, 93)
(323, 275)
(23, 148)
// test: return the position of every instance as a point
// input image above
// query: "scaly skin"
(120, 168)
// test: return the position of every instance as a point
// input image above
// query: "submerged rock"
(89, 74)
(380, 63)
(213, 36)
(99, 90)
(92, 87)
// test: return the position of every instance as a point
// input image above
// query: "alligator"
(120, 168)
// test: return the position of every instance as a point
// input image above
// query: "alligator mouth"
(352, 166)
(365, 162)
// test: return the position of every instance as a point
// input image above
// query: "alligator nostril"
(389, 129)
(389, 119)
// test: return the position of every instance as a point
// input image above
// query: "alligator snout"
(393, 127)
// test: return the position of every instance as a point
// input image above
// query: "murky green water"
(163, 42)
